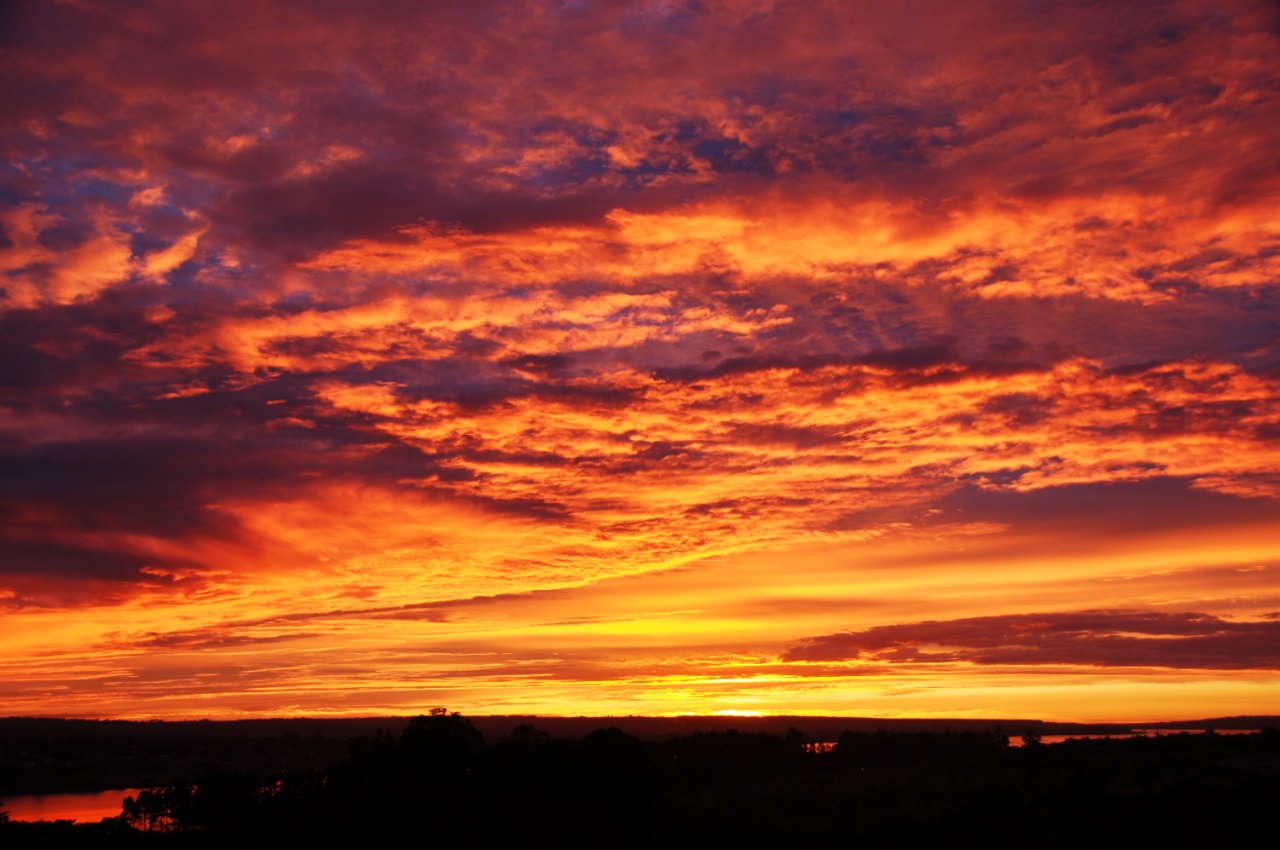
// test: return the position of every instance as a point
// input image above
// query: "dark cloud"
(1089, 638)
(1108, 509)
(756, 434)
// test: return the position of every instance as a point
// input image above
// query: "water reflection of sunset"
(651, 359)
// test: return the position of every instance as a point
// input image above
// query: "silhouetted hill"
(47, 755)
(441, 778)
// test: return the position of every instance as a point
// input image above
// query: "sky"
(902, 359)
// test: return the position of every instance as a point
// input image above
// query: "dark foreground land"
(445, 779)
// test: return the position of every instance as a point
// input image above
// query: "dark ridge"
(441, 778)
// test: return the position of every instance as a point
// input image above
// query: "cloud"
(1086, 638)
(410, 303)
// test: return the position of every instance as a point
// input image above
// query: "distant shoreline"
(495, 726)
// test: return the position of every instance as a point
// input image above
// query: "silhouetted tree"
(797, 740)
(157, 809)
(526, 737)
(442, 737)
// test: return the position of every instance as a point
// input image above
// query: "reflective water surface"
(85, 808)
(1016, 740)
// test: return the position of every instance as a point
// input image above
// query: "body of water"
(93, 806)
(1016, 740)
(89, 807)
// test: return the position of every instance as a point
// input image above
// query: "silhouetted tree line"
(441, 782)
(45, 755)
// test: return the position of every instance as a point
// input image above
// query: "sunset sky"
(889, 359)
